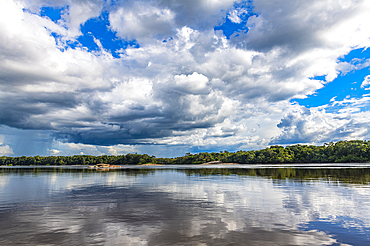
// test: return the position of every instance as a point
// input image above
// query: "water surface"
(186, 205)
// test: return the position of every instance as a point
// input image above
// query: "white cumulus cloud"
(366, 82)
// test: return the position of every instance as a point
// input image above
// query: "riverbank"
(356, 151)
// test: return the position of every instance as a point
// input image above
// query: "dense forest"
(339, 152)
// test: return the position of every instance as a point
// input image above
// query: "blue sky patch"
(355, 54)
(230, 27)
(98, 28)
(322, 78)
(345, 85)
(54, 14)
(340, 88)
(92, 30)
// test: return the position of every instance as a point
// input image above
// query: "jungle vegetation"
(339, 152)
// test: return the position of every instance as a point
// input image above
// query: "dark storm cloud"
(139, 131)
(135, 123)
(17, 109)
(14, 78)
(58, 100)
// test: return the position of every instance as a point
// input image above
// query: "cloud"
(1, 139)
(151, 21)
(342, 120)
(196, 88)
(53, 151)
(142, 22)
(193, 83)
(366, 82)
(4, 149)
(77, 12)
(61, 148)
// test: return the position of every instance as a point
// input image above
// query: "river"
(186, 205)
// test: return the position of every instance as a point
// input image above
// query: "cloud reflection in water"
(180, 207)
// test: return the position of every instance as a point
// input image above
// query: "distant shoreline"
(332, 164)
(354, 151)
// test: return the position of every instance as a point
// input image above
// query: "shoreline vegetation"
(354, 151)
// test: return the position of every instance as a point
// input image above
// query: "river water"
(186, 205)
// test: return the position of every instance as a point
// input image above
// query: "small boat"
(104, 166)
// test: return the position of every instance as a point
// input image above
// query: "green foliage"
(342, 151)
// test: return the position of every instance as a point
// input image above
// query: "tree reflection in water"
(185, 206)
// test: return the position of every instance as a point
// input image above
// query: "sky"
(165, 78)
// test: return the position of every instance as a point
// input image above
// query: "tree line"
(339, 152)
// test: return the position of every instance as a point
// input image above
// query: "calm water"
(229, 205)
